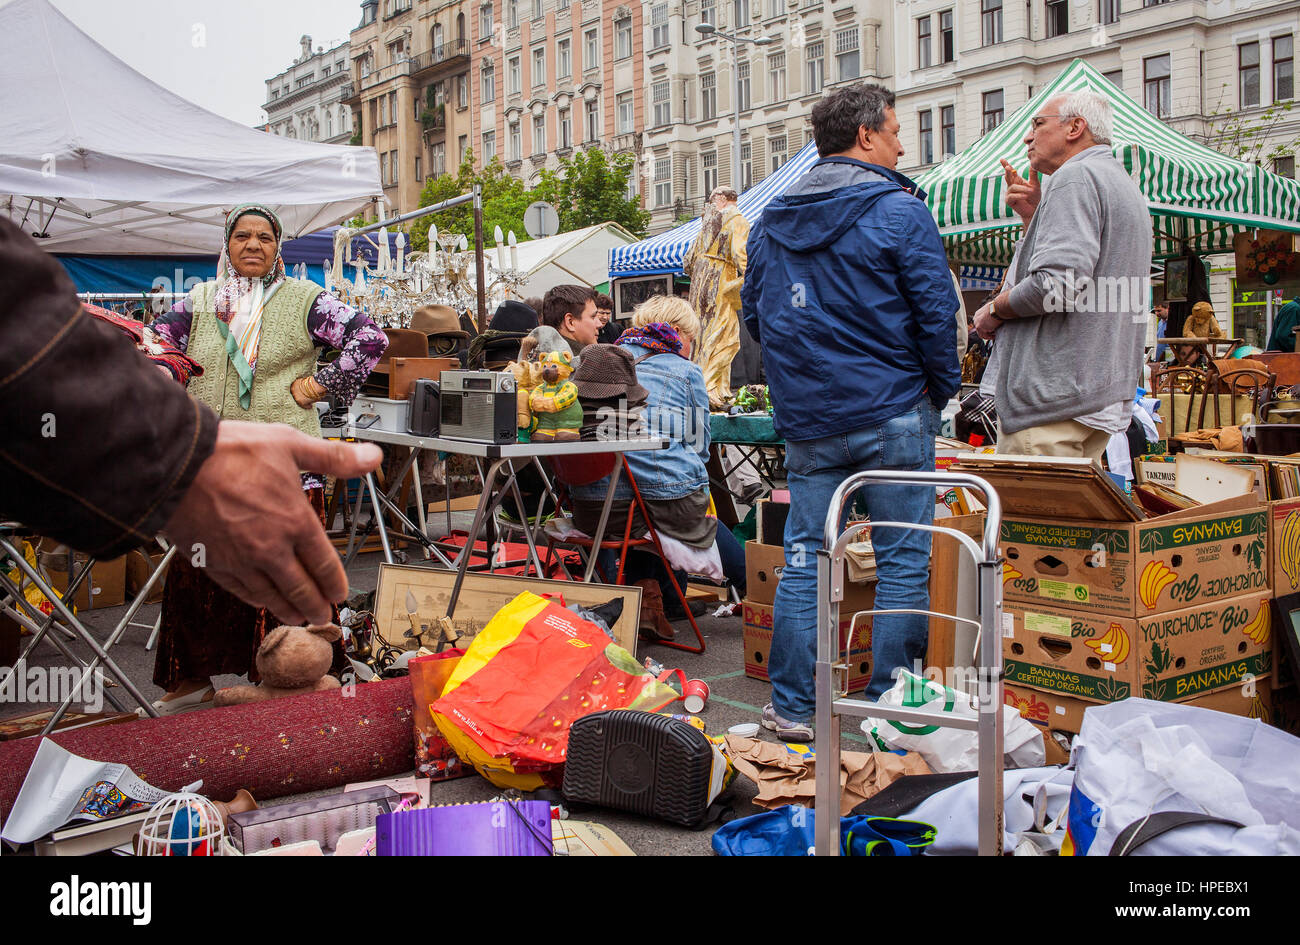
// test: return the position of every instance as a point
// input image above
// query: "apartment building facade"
(410, 91)
(307, 100)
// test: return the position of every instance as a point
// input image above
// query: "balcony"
(454, 53)
(434, 122)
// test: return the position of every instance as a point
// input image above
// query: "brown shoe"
(654, 624)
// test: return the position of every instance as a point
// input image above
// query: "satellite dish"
(541, 220)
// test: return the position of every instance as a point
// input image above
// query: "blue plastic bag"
(789, 831)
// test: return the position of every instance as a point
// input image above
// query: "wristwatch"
(993, 309)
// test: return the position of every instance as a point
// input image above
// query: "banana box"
(1169, 657)
(1284, 545)
(757, 636)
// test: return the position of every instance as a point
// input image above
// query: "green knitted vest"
(285, 353)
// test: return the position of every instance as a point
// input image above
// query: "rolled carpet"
(281, 746)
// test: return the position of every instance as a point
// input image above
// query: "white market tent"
(578, 256)
(96, 158)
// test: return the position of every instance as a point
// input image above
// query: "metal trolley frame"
(833, 662)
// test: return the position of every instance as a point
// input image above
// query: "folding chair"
(585, 470)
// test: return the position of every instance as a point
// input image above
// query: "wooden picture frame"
(1177, 274)
(481, 595)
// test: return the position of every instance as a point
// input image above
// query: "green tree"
(1257, 136)
(591, 188)
(504, 200)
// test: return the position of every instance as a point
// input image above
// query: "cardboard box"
(763, 567)
(1195, 556)
(1169, 657)
(1284, 562)
(105, 586)
(758, 643)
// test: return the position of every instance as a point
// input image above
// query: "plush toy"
(556, 410)
(293, 661)
(527, 371)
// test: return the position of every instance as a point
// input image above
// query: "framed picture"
(629, 293)
(481, 595)
(1286, 623)
(1176, 271)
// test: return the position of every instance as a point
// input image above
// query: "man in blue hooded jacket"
(848, 292)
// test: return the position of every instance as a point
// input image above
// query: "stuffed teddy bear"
(527, 372)
(557, 412)
(293, 661)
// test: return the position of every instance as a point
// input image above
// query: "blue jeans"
(815, 470)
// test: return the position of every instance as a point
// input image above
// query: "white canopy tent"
(96, 158)
(580, 257)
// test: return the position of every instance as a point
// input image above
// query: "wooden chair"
(1194, 384)
(1243, 382)
(584, 470)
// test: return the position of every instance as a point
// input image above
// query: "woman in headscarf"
(255, 332)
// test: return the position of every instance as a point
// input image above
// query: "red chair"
(584, 470)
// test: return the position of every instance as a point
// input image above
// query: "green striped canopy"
(1196, 195)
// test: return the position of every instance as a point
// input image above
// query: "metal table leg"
(604, 520)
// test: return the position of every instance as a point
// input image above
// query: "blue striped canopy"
(664, 252)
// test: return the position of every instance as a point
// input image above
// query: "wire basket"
(183, 825)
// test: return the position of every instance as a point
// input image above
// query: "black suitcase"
(648, 764)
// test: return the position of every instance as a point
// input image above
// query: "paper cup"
(694, 694)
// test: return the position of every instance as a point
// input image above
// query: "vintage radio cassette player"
(477, 405)
(424, 415)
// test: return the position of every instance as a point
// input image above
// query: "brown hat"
(608, 371)
(402, 343)
(437, 320)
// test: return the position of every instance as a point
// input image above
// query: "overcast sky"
(245, 42)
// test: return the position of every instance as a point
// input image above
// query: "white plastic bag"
(950, 749)
(1139, 758)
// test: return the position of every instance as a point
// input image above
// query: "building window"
(438, 159)
(462, 144)
(776, 70)
(539, 66)
(539, 134)
(419, 170)
(947, 37)
(1115, 78)
(275, 93)
(1057, 16)
(1155, 85)
(815, 66)
(948, 130)
(566, 128)
(1283, 69)
(516, 152)
(512, 75)
(659, 95)
(485, 21)
(710, 164)
(625, 112)
(990, 22)
(659, 26)
(925, 124)
(539, 9)
(489, 146)
(776, 148)
(993, 112)
(392, 159)
(623, 38)
(1248, 74)
(742, 71)
(774, 8)
(512, 13)
(740, 13)
(846, 54)
(1285, 166)
(709, 11)
(1108, 11)
(1153, 3)
(591, 53)
(593, 121)
(663, 181)
(563, 59)
(708, 96)
(329, 123)
(325, 71)
(923, 42)
(338, 66)
(489, 83)
(746, 166)
(462, 90)
(383, 112)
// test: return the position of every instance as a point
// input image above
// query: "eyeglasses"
(1041, 118)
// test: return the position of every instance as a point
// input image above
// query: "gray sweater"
(1080, 287)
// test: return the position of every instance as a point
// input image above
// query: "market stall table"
(1228, 344)
(754, 436)
(501, 459)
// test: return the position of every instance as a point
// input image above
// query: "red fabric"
(282, 746)
(518, 551)
(180, 365)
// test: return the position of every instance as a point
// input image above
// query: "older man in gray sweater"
(1070, 327)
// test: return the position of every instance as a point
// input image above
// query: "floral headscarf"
(241, 300)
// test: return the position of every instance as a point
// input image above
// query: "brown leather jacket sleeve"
(99, 446)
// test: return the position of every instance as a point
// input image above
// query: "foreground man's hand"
(259, 536)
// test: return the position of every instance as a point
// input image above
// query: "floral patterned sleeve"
(174, 325)
(359, 339)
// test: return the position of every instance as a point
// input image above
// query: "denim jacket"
(677, 408)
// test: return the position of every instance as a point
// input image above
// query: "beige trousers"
(1064, 438)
